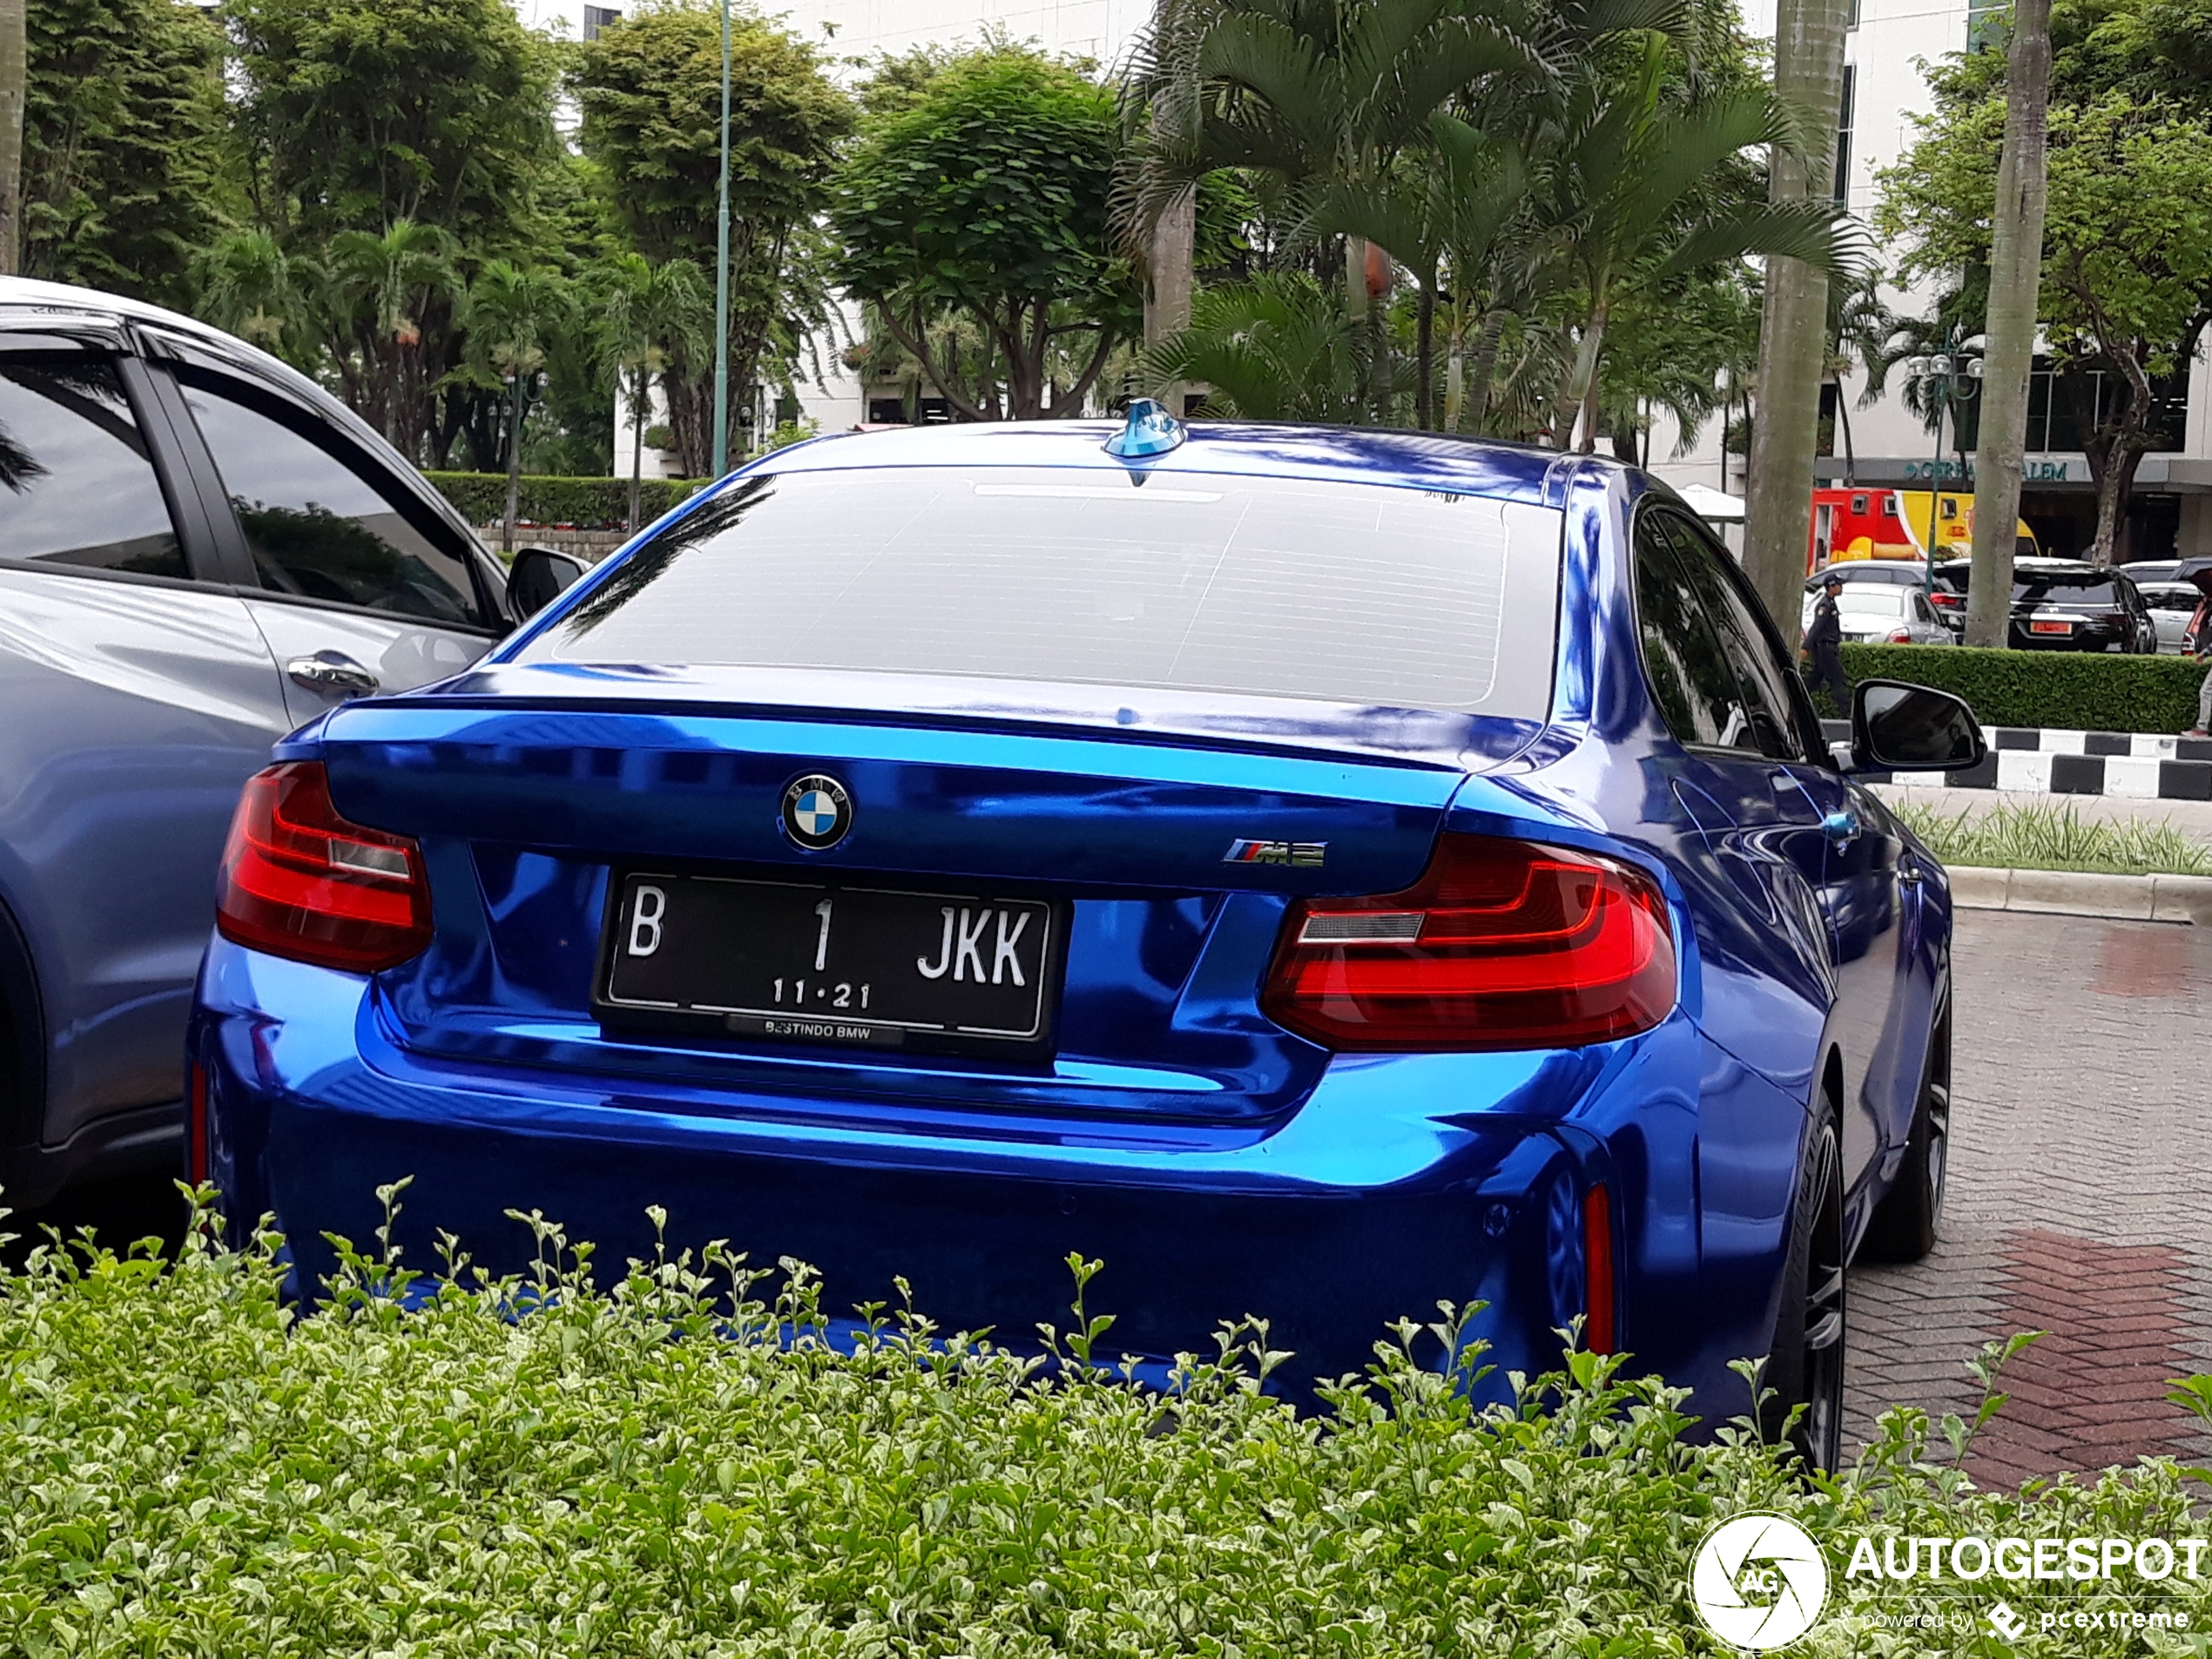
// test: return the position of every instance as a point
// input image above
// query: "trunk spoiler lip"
(1420, 740)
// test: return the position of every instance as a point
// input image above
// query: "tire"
(1805, 1367)
(1903, 1227)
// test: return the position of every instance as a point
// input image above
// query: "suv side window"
(1778, 718)
(316, 527)
(77, 484)
(1689, 673)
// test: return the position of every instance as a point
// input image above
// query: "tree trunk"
(1592, 352)
(1485, 369)
(14, 79)
(1167, 296)
(1455, 374)
(2015, 284)
(1843, 429)
(1793, 334)
(638, 444)
(514, 470)
(1424, 348)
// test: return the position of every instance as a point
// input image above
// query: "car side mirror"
(1896, 727)
(536, 578)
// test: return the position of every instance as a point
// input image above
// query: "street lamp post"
(1952, 376)
(722, 272)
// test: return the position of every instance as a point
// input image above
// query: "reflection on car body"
(1606, 995)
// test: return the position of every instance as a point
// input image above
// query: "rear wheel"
(1807, 1367)
(1903, 1228)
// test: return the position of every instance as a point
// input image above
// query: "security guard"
(1824, 645)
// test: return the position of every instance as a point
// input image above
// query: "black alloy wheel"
(1903, 1227)
(1806, 1369)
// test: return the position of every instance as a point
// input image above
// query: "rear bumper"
(1401, 1181)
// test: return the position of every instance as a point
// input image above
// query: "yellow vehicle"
(1950, 532)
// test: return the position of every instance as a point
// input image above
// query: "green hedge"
(587, 503)
(2077, 690)
(678, 1463)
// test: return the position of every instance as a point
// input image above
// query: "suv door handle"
(333, 672)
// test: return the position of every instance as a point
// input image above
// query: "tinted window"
(1688, 673)
(2064, 589)
(1767, 681)
(1348, 593)
(77, 486)
(318, 528)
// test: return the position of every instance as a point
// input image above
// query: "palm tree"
(1636, 188)
(1445, 208)
(1279, 348)
(511, 314)
(644, 312)
(1863, 334)
(1319, 94)
(385, 282)
(249, 286)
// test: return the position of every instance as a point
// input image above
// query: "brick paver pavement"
(2082, 1159)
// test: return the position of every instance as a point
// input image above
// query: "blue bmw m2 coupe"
(1320, 873)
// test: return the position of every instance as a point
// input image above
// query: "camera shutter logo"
(1759, 1581)
(817, 812)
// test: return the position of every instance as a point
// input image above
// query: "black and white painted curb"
(2132, 766)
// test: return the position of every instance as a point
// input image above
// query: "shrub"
(2056, 837)
(680, 1463)
(588, 503)
(2077, 691)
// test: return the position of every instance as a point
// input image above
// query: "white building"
(1886, 90)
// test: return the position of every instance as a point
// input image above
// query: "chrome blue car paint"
(1219, 1165)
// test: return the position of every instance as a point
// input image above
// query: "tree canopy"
(2127, 279)
(987, 192)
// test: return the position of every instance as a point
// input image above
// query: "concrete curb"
(2066, 893)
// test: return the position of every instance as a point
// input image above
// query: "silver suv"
(199, 549)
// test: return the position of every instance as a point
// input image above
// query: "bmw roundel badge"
(817, 812)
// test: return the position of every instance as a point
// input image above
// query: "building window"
(2065, 405)
(597, 18)
(1843, 136)
(1986, 24)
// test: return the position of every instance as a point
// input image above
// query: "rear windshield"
(2065, 589)
(1877, 597)
(2053, 587)
(1337, 592)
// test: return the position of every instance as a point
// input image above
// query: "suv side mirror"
(1896, 727)
(536, 577)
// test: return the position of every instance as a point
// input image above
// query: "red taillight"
(1948, 601)
(300, 881)
(1900, 636)
(1598, 1269)
(1499, 945)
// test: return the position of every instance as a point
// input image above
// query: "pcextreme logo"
(1759, 1581)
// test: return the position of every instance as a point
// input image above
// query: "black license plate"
(811, 961)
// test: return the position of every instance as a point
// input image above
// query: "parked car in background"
(1317, 872)
(1884, 613)
(200, 550)
(2172, 604)
(2063, 604)
(1893, 573)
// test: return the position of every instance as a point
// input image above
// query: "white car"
(2172, 604)
(1881, 613)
